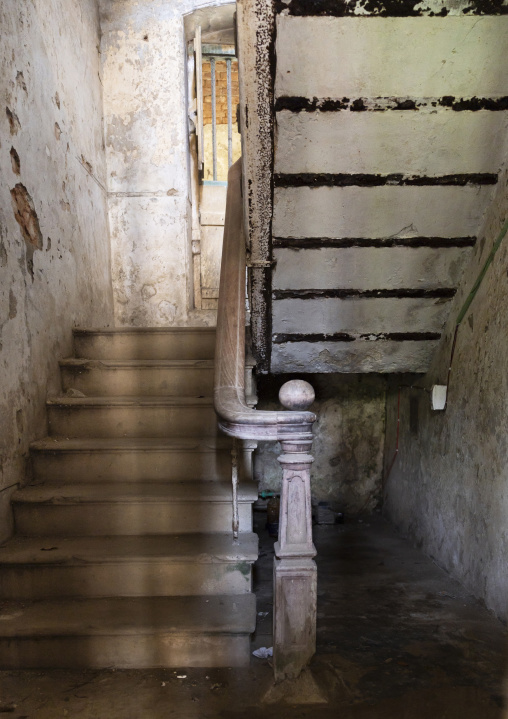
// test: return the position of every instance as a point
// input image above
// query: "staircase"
(123, 554)
(387, 124)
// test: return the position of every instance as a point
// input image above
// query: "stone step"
(97, 509)
(126, 566)
(161, 378)
(123, 632)
(130, 460)
(131, 417)
(158, 343)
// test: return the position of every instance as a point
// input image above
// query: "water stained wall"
(54, 244)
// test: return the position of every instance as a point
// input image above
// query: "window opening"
(221, 141)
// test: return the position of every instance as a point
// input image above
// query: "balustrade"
(295, 574)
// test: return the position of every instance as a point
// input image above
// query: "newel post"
(295, 572)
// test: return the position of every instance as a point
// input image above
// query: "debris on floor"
(263, 652)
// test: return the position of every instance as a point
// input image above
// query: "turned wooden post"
(295, 573)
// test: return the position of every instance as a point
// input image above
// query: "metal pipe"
(230, 115)
(214, 119)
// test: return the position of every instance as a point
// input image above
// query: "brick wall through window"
(220, 92)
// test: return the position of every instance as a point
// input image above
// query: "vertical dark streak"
(272, 59)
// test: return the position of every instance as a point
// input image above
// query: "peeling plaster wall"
(448, 489)
(54, 245)
(348, 439)
(143, 53)
(256, 36)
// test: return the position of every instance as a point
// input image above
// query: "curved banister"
(295, 574)
(236, 418)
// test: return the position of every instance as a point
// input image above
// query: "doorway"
(214, 140)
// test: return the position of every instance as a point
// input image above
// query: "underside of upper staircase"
(388, 125)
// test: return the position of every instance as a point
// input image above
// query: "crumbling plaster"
(448, 488)
(256, 28)
(145, 106)
(54, 245)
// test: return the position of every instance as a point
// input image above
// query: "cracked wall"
(54, 245)
(146, 123)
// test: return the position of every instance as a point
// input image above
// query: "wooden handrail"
(236, 418)
(295, 574)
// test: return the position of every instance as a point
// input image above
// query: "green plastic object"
(482, 274)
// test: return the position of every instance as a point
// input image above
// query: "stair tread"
(177, 491)
(180, 540)
(134, 363)
(229, 614)
(202, 548)
(190, 444)
(131, 401)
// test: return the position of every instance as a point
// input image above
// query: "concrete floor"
(397, 639)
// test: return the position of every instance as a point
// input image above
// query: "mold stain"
(302, 243)
(406, 105)
(284, 338)
(358, 105)
(386, 8)
(339, 293)
(384, 104)
(473, 104)
(306, 179)
(298, 104)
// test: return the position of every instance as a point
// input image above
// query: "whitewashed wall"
(143, 56)
(57, 274)
(382, 57)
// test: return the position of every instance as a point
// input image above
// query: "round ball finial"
(296, 394)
